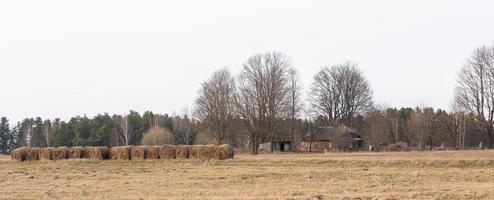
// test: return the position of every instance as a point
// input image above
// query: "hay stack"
(18, 154)
(85, 152)
(224, 151)
(399, 146)
(201, 151)
(98, 153)
(153, 152)
(60, 153)
(120, 153)
(138, 153)
(32, 153)
(46, 153)
(182, 152)
(75, 152)
(168, 152)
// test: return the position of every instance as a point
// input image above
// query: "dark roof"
(326, 133)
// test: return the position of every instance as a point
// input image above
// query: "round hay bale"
(32, 153)
(18, 154)
(120, 153)
(46, 153)
(182, 152)
(153, 152)
(201, 151)
(167, 151)
(138, 153)
(75, 152)
(60, 153)
(224, 151)
(98, 153)
(85, 152)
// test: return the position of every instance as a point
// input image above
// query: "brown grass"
(385, 175)
(167, 152)
(138, 152)
(120, 153)
(75, 152)
(153, 152)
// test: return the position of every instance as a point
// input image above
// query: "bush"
(157, 136)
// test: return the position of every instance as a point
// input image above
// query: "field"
(404, 175)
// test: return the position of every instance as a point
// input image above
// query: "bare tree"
(47, 132)
(295, 103)
(215, 105)
(339, 93)
(125, 133)
(263, 95)
(475, 88)
(183, 126)
(28, 133)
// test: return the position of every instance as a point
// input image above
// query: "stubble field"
(404, 175)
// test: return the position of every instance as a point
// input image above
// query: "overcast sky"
(66, 58)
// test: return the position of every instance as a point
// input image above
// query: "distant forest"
(263, 103)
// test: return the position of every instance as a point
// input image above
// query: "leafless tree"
(475, 88)
(47, 132)
(183, 126)
(421, 127)
(215, 106)
(125, 133)
(377, 128)
(263, 95)
(296, 105)
(28, 133)
(339, 93)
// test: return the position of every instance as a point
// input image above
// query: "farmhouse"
(331, 138)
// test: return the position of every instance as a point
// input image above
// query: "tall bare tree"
(339, 93)
(125, 133)
(295, 90)
(47, 132)
(263, 95)
(475, 88)
(215, 104)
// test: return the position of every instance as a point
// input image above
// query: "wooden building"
(331, 138)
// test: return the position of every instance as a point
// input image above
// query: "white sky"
(66, 58)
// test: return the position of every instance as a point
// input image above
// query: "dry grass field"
(404, 175)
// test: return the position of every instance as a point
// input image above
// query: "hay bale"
(46, 153)
(201, 151)
(399, 146)
(60, 153)
(120, 153)
(18, 154)
(98, 153)
(85, 152)
(167, 151)
(32, 153)
(138, 153)
(153, 152)
(182, 152)
(75, 152)
(224, 151)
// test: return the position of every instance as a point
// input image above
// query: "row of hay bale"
(125, 152)
(59, 153)
(172, 152)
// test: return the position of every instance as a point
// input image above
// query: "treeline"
(101, 130)
(263, 103)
